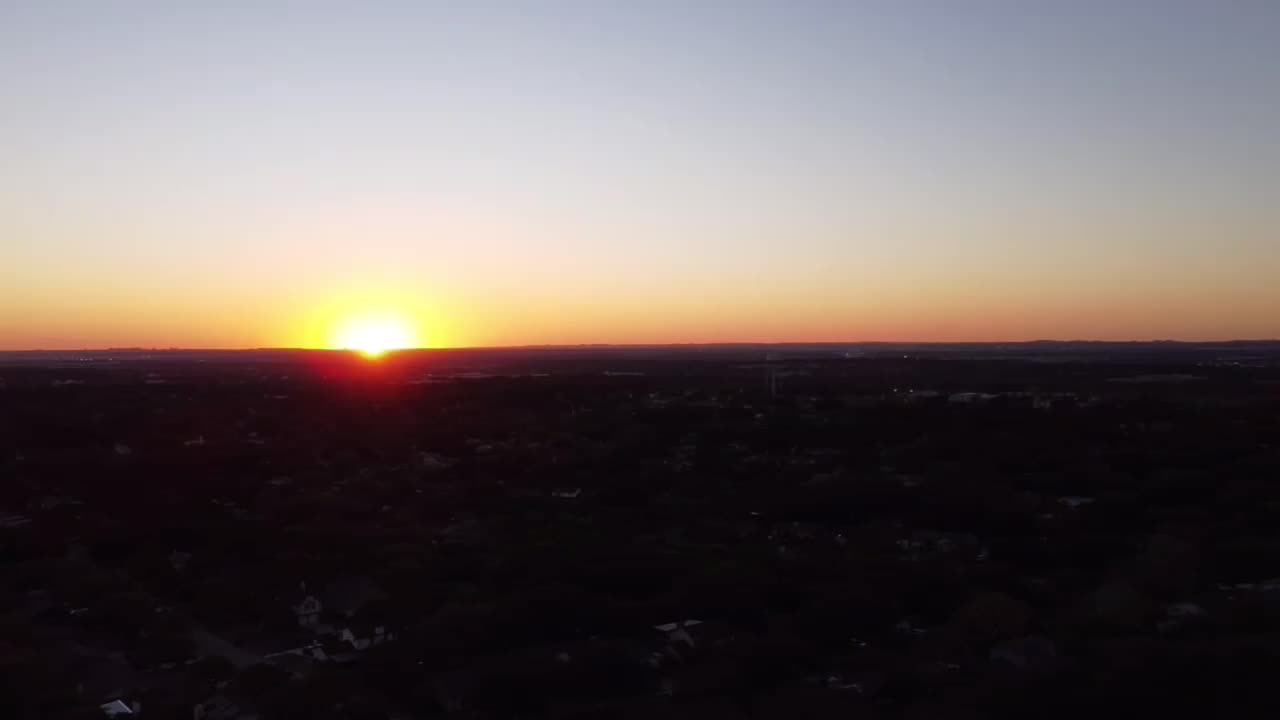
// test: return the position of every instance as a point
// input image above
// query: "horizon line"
(570, 346)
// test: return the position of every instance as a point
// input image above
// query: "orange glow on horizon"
(382, 314)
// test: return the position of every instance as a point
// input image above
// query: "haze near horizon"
(285, 174)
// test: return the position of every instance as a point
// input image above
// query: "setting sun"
(373, 334)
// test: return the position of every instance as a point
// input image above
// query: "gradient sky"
(240, 173)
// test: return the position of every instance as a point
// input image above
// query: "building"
(308, 611)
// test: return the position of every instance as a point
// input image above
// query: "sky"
(255, 173)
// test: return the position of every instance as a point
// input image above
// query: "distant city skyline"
(286, 174)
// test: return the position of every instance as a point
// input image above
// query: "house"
(679, 631)
(363, 637)
(433, 461)
(343, 598)
(179, 560)
(119, 708)
(1179, 614)
(680, 639)
(307, 611)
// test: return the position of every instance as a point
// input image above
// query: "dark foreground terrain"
(1041, 530)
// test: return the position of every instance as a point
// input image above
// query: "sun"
(373, 334)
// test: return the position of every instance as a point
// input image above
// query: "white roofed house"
(679, 631)
(680, 639)
(119, 708)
